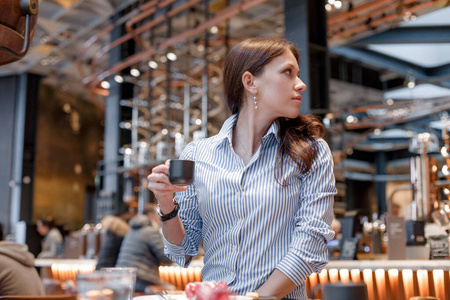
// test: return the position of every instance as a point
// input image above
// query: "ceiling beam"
(380, 61)
(407, 35)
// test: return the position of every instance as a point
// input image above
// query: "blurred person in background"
(116, 228)
(143, 248)
(18, 275)
(52, 238)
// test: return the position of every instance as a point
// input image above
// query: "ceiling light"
(338, 4)
(410, 80)
(201, 48)
(389, 101)
(105, 84)
(164, 131)
(177, 135)
(163, 59)
(198, 122)
(172, 56)
(445, 170)
(153, 64)
(214, 29)
(328, 7)
(135, 72)
(351, 119)
(331, 2)
(118, 79)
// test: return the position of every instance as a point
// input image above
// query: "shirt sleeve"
(190, 217)
(308, 251)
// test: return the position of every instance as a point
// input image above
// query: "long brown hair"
(297, 135)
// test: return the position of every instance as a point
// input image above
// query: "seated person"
(52, 238)
(18, 275)
(143, 248)
(116, 228)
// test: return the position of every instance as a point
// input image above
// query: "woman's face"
(41, 228)
(279, 87)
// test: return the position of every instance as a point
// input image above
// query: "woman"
(263, 192)
(52, 238)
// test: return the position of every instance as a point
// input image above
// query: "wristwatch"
(171, 215)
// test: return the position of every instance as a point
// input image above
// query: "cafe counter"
(385, 279)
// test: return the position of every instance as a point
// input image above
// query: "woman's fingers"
(161, 169)
(158, 177)
(163, 187)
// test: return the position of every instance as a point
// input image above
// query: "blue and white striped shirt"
(249, 224)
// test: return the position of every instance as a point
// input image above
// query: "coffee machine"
(423, 178)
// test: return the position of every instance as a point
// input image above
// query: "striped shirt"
(249, 224)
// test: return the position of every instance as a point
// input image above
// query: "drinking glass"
(91, 286)
(121, 281)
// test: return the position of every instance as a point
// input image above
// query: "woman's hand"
(159, 184)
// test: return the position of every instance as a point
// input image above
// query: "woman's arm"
(182, 234)
(308, 250)
(278, 285)
(158, 183)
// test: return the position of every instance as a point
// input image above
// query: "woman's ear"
(248, 80)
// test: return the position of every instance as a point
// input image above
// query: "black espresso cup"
(181, 172)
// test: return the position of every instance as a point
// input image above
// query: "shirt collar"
(226, 132)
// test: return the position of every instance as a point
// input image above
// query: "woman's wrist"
(166, 206)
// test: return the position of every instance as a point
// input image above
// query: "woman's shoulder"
(194, 148)
(322, 145)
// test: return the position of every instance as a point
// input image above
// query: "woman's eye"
(288, 71)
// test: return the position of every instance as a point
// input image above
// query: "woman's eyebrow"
(295, 67)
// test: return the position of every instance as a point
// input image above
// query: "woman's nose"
(300, 85)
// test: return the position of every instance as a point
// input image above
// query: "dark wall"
(7, 104)
(68, 147)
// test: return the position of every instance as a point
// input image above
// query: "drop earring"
(254, 101)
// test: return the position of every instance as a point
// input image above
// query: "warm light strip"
(367, 274)
(381, 283)
(393, 283)
(422, 278)
(408, 283)
(356, 275)
(439, 285)
(323, 276)
(345, 275)
(313, 281)
(178, 276)
(334, 275)
(64, 272)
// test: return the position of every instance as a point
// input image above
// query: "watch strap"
(171, 215)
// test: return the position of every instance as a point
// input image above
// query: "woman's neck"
(248, 132)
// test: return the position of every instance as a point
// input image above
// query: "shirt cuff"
(295, 268)
(177, 253)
